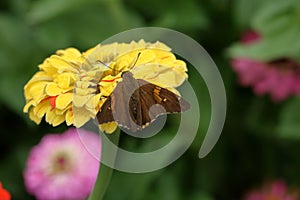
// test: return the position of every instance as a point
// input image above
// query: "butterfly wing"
(116, 107)
(155, 101)
(105, 113)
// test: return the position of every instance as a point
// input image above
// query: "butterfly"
(136, 103)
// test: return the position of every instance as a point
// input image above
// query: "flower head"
(60, 167)
(4, 194)
(275, 191)
(72, 86)
(279, 78)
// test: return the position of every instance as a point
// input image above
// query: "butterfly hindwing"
(156, 101)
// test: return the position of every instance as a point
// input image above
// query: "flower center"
(61, 163)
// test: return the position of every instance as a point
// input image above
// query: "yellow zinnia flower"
(72, 86)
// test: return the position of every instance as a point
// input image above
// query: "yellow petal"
(81, 116)
(108, 84)
(85, 91)
(52, 89)
(37, 90)
(58, 120)
(63, 100)
(80, 101)
(41, 109)
(146, 56)
(63, 111)
(180, 65)
(159, 45)
(84, 84)
(160, 75)
(27, 106)
(108, 127)
(69, 117)
(65, 80)
(34, 118)
(93, 102)
(69, 54)
(47, 67)
(62, 65)
(41, 76)
(50, 116)
(99, 71)
(53, 118)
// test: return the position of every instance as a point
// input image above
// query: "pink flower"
(279, 78)
(60, 167)
(250, 37)
(276, 191)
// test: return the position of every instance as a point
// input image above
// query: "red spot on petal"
(71, 110)
(52, 100)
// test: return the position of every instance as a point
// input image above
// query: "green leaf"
(14, 42)
(202, 195)
(289, 126)
(183, 15)
(11, 92)
(14, 59)
(44, 10)
(244, 10)
(277, 16)
(95, 24)
(270, 47)
(278, 23)
(20, 7)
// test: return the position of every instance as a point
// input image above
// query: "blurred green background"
(260, 140)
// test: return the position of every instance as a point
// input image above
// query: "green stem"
(105, 172)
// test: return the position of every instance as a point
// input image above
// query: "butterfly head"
(127, 75)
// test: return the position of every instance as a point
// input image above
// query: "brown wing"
(154, 101)
(136, 103)
(116, 107)
(105, 113)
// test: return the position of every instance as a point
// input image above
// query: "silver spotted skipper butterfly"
(135, 103)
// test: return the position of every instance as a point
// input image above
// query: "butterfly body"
(135, 103)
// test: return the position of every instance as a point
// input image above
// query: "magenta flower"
(279, 78)
(60, 167)
(250, 37)
(276, 191)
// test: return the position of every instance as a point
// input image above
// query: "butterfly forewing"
(105, 114)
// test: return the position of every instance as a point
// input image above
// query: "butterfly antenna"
(133, 63)
(137, 58)
(99, 61)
